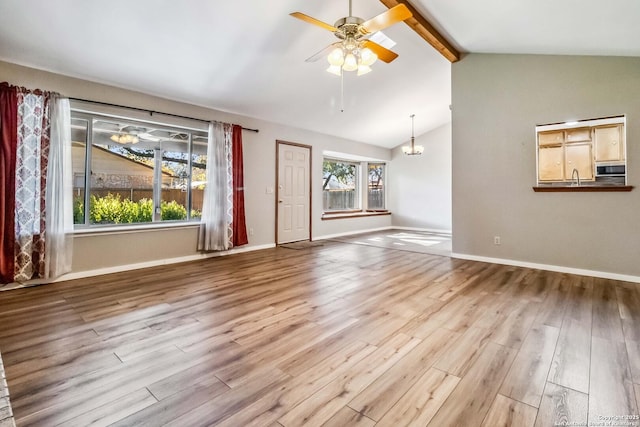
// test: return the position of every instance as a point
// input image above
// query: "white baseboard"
(154, 263)
(549, 267)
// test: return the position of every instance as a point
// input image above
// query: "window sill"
(359, 214)
(124, 229)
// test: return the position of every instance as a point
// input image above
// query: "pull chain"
(341, 91)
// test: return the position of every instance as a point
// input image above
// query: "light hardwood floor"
(339, 334)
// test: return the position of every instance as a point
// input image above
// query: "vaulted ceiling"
(248, 57)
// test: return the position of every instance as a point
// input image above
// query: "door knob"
(280, 201)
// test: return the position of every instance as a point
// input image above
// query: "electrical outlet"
(496, 240)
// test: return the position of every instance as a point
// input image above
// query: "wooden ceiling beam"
(420, 25)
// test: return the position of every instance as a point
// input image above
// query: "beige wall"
(420, 188)
(113, 250)
(497, 101)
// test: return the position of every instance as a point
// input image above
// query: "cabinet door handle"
(614, 142)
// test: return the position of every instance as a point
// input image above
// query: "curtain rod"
(151, 112)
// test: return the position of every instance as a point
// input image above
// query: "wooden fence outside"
(345, 199)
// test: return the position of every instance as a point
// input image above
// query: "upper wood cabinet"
(578, 135)
(551, 138)
(609, 143)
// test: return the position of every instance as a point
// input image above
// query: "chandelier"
(350, 55)
(412, 150)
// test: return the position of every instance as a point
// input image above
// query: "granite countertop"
(6, 414)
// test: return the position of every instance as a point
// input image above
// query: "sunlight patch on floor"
(422, 242)
(414, 238)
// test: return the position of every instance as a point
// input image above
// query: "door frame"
(295, 144)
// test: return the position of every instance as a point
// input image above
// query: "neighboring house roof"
(108, 162)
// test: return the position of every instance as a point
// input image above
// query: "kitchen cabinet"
(578, 135)
(550, 138)
(595, 148)
(551, 163)
(579, 157)
(556, 162)
(609, 144)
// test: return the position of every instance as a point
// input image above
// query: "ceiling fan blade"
(314, 21)
(386, 19)
(324, 52)
(384, 54)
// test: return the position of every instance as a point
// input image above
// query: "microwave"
(610, 170)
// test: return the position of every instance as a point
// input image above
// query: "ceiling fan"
(133, 134)
(355, 51)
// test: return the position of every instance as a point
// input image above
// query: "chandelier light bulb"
(336, 57)
(363, 69)
(350, 43)
(350, 62)
(335, 69)
(367, 57)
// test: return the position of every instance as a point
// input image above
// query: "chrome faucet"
(575, 174)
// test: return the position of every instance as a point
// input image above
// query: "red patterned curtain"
(239, 224)
(31, 183)
(8, 144)
(23, 182)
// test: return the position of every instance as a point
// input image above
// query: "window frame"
(384, 191)
(91, 115)
(357, 186)
(362, 190)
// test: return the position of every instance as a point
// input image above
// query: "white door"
(294, 186)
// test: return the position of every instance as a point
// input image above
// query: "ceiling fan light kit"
(125, 138)
(132, 135)
(356, 51)
(359, 59)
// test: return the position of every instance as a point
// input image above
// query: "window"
(132, 172)
(375, 190)
(340, 185)
(346, 190)
(585, 153)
